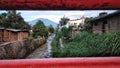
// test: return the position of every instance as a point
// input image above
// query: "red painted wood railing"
(91, 62)
(59, 4)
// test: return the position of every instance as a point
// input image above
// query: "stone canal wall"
(19, 49)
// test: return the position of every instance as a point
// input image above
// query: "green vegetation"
(55, 44)
(30, 37)
(40, 30)
(88, 25)
(66, 34)
(14, 20)
(63, 21)
(50, 29)
(89, 45)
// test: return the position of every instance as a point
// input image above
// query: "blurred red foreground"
(89, 62)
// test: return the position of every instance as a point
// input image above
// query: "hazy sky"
(55, 16)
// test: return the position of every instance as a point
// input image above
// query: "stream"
(43, 51)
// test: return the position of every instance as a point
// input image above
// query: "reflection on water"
(43, 51)
(49, 41)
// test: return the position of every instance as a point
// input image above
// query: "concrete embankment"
(19, 49)
(43, 51)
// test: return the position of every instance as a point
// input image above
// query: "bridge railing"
(89, 62)
(59, 4)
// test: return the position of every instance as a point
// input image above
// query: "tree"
(64, 21)
(12, 19)
(88, 25)
(39, 29)
(50, 29)
(3, 17)
(66, 32)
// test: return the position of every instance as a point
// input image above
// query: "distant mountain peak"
(46, 21)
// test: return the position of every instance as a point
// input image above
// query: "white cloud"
(70, 13)
(54, 18)
(52, 15)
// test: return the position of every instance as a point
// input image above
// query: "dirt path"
(43, 51)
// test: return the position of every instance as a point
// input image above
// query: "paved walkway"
(43, 51)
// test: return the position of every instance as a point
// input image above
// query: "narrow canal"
(43, 51)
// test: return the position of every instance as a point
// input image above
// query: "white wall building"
(76, 22)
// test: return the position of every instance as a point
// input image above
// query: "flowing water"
(43, 51)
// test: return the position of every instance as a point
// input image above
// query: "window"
(96, 24)
(105, 22)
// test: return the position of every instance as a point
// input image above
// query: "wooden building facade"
(106, 22)
(9, 35)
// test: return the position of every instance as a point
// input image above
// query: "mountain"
(46, 22)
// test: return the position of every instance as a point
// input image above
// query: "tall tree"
(39, 29)
(88, 25)
(3, 17)
(63, 21)
(50, 29)
(12, 19)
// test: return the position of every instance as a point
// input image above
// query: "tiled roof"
(105, 16)
(1, 27)
(13, 30)
(78, 19)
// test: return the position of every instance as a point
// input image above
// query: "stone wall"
(19, 49)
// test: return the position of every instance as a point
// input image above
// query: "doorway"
(104, 26)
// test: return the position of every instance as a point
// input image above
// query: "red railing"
(90, 62)
(59, 4)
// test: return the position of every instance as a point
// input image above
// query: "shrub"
(66, 32)
(81, 36)
(40, 29)
(90, 45)
(55, 45)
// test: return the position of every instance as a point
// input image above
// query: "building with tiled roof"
(9, 35)
(106, 22)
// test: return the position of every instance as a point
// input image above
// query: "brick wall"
(97, 29)
(22, 35)
(10, 36)
(1, 36)
(113, 24)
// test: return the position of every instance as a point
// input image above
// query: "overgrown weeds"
(55, 45)
(89, 45)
